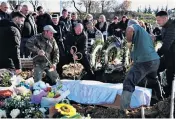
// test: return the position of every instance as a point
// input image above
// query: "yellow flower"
(66, 109)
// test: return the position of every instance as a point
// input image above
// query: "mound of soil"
(159, 110)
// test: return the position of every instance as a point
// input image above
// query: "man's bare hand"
(53, 66)
(41, 53)
(18, 71)
(153, 37)
(75, 57)
(129, 45)
(72, 51)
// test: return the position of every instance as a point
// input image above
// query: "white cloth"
(95, 92)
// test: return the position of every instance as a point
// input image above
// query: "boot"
(125, 100)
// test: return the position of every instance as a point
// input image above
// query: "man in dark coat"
(64, 20)
(3, 11)
(28, 30)
(42, 19)
(74, 19)
(77, 38)
(167, 50)
(10, 42)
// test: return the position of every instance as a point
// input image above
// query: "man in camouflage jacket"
(44, 48)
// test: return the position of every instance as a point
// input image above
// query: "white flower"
(18, 97)
(2, 113)
(43, 110)
(14, 113)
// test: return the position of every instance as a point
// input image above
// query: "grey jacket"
(39, 42)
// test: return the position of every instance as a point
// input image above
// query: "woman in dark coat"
(102, 25)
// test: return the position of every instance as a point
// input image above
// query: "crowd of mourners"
(46, 37)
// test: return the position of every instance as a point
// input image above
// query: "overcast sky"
(54, 5)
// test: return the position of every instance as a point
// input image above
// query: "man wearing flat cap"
(10, 42)
(46, 54)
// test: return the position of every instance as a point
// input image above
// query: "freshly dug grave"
(68, 72)
(159, 110)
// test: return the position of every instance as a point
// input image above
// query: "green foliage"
(5, 79)
(157, 10)
(148, 18)
(145, 10)
(149, 10)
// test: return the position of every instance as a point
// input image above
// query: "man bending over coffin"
(77, 38)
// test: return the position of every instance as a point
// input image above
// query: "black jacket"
(104, 28)
(59, 37)
(157, 31)
(168, 38)
(43, 20)
(29, 27)
(74, 22)
(9, 45)
(112, 27)
(76, 40)
(85, 22)
(66, 22)
(4, 15)
(123, 25)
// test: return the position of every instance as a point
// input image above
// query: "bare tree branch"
(34, 3)
(13, 3)
(74, 3)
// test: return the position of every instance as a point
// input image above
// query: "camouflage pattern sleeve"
(55, 52)
(31, 44)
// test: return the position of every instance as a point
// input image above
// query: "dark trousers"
(23, 50)
(68, 59)
(138, 72)
(168, 63)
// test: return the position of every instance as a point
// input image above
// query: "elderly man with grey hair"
(3, 11)
(145, 61)
(78, 39)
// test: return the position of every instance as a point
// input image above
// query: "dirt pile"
(159, 110)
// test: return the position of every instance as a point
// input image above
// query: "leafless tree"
(13, 3)
(34, 3)
(75, 5)
(126, 5)
(108, 5)
(95, 7)
(66, 3)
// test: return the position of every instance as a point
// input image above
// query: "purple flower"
(36, 99)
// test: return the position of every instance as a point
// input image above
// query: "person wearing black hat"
(10, 42)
